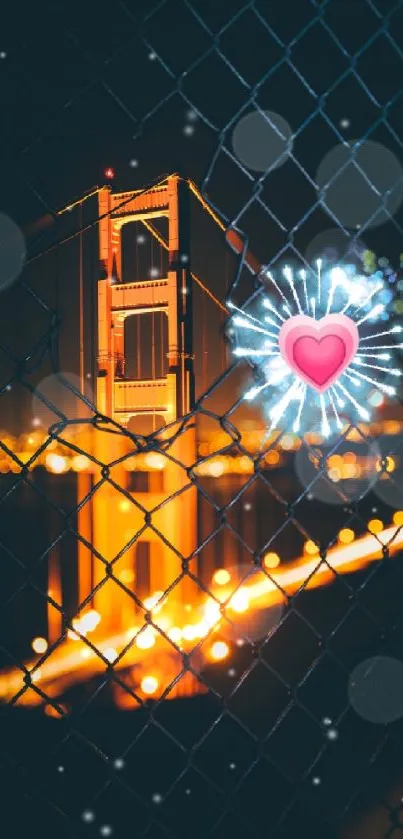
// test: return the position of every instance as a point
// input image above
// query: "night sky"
(150, 88)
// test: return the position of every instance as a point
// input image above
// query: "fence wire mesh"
(274, 741)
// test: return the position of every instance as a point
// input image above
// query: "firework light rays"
(287, 401)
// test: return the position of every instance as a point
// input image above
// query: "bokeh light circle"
(337, 476)
(362, 182)
(261, 140)
(375, 689)
(389, 484)
(334, 246)
(61, 399)
(255, 605)
(12, 251)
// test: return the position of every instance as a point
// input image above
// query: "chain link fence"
(285, 722)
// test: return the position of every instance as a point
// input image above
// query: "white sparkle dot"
(8, 387)
(60, 768)
(106, 830)
(3, 55)
(88, 816)
(191, 115)
(345, 123)
(88, 376)
(184, 258)
(326, 721)
(134, 163)
(232, 766)
(140, 239)
(240, 642)
(188, 791)
(188, 130)
(332, 734)
(374, 510)
(316, 781)
(157, 798)
(232, 672)
(247, 506)
(119, 763)
(152, 56)
(154, 272)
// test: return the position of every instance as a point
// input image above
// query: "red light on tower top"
(109, 173)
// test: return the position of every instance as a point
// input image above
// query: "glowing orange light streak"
(67, 663)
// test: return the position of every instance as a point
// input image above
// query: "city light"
(272, 458)
(150, 603)
(155, 461)
(36, 675)
(189, 632)
(271, 560)
(175, 634)
(346, 536)
(239, 601)
(375, 526)
(146, 639)
(149, 685)
(216, 468)
(56, 463)
(125, 505)
(39, 645)
(80, 462)
(126, 576)
(110, 654)
(57, 460)
(390, 464)
(212, 613)
(221, 577)
(311, 548)
(219, 650)
(89, 621)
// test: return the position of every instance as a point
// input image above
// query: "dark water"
(249, 749)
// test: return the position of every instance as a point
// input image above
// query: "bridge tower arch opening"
(145, 341)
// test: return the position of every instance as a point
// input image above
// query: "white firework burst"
(291, 403)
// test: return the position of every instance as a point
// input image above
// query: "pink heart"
(318, 350)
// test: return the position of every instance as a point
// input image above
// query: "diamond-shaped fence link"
(189, 709)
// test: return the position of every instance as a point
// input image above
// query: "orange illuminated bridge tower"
(161, 529)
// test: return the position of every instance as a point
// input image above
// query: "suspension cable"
(205, 205)
(149, 227)
(80, 201)
(150, 188)
(195, 278)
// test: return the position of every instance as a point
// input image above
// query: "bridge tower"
(109, 520)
